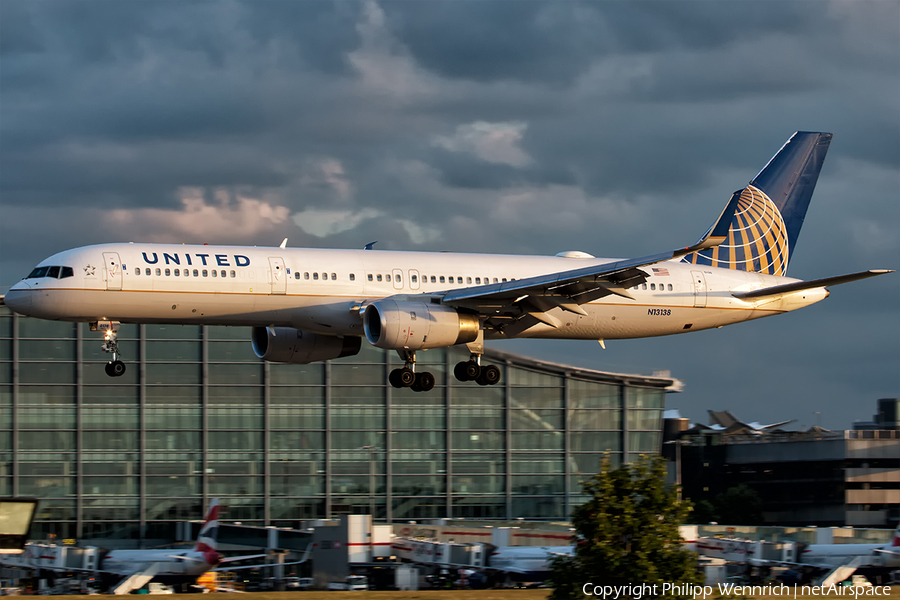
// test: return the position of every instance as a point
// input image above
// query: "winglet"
(718, 233)
(283, 243)
(371, 244)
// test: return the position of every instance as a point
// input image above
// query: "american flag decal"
(661, 272)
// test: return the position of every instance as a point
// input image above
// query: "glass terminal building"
(198, 416)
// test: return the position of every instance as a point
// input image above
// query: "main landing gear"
(407, 376)
(115, 367)
(472, 370)
(423, 381)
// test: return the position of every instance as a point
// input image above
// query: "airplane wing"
(789, 288)
(137, 579)
(305, 558)
(260, 566)
(514, 306)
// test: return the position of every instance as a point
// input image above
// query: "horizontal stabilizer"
(789, 288)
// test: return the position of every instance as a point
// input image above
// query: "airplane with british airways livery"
(306, 305)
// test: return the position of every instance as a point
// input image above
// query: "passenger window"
(643, 286)
(205, 274)
(316, 276)
(670, 287)
(652, 286)
(306, 276)
(67, 272)
(232, 273)
(433, 279)
(503, 280)
(478, 281)
(177, 272)
(53, 272)
(387, 277)
(158, 272)
(196, 273)
(468, 280)
(296, 274)
(137, 271)
(324, 276)
(415, 279)
(378, 277)
(168, 272)
(222, 272)
(442, 279)
(398, 279)
(495, 280)
(334, 276)
(352, 277)
(215, 273)
(370, 277)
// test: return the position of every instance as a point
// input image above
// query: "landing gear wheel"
(394, 378)
(467, 371)
(115, 368)
(424, 382)
(402, 377)
(490, 374)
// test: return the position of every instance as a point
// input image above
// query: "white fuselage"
(321, 290)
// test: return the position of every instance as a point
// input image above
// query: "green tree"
(627, 533)
(739, 505)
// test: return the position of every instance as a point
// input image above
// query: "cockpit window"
(38, 272)
(54, 272)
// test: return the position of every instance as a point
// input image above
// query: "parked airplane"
(832, 563)
(526, 563)
(307, 305)
(128, 570)
(873, 555)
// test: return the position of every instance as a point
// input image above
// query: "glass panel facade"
(197, 415)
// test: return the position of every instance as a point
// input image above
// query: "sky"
(529, 127)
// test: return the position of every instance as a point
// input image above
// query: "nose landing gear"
(115, 367)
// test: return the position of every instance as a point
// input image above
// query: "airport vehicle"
(308, 305)
(353, 583)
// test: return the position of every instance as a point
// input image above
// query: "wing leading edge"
(521, 304)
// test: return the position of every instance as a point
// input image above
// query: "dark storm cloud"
(488, 41)
(617, 128)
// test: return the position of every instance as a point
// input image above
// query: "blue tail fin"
(770, 213)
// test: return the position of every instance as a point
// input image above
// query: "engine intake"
(396, 325)
(289, 345)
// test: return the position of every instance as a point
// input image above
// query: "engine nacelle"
(396, 325)
(289, 345)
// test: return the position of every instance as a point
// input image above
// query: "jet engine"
(417, 325)
(289, 345)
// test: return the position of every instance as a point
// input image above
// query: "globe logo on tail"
(757, 239)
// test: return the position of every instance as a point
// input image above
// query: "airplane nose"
(19, 298)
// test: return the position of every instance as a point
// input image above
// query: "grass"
(540, 594)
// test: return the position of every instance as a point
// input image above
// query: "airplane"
(308, 305)
(526, 563)
(128, 570)
(836, 562)
(833, 555)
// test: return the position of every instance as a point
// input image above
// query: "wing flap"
(789, 288)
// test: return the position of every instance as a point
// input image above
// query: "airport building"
(820, 477)
(198, 416)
